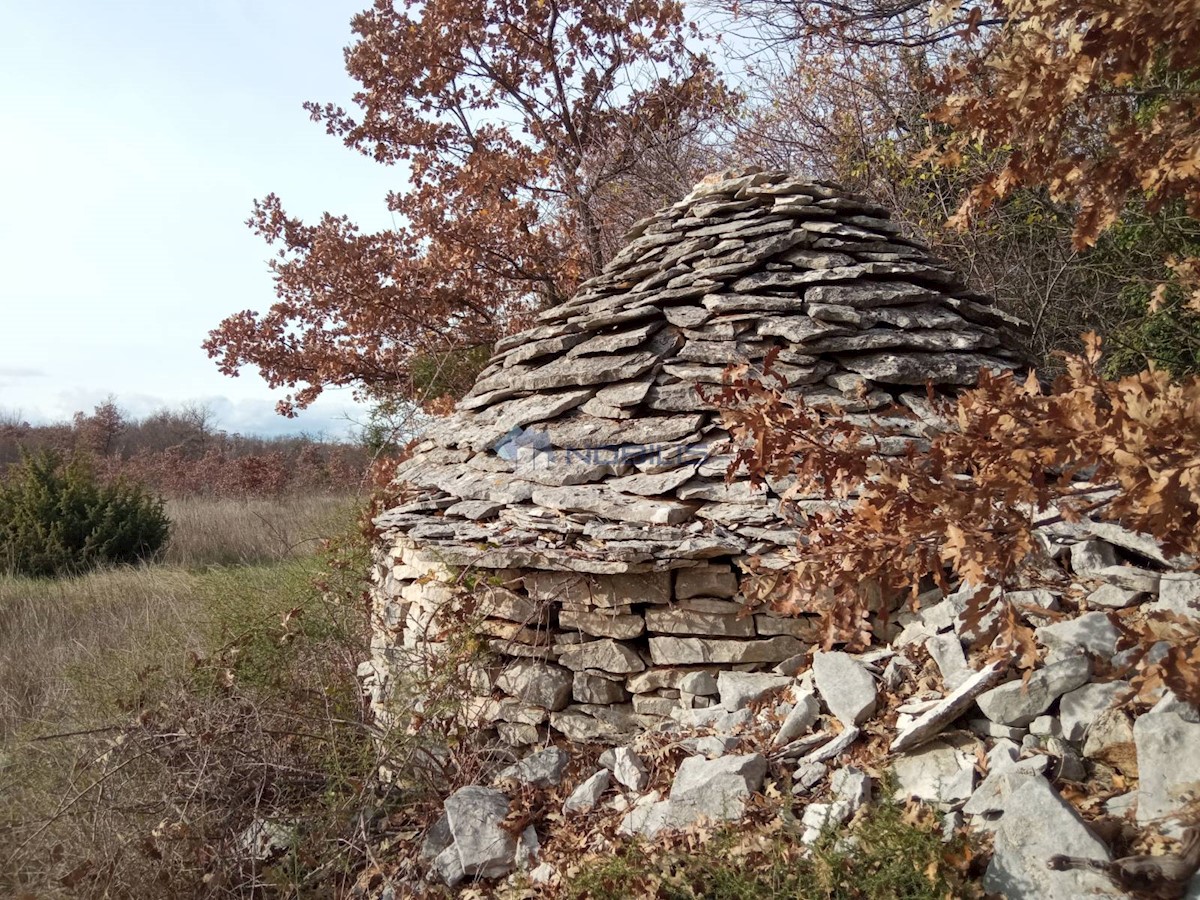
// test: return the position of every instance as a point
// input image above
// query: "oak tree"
(525, 135)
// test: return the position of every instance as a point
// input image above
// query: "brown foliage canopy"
(181, 453)
(529, 134)
(1012, 457)
(1097, 101)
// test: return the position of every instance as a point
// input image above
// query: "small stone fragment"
(627, 767)
(947, 653)
(802, 717)
(585, 797)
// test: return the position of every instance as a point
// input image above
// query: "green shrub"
(56, 518)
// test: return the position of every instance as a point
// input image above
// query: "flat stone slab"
(1036, 824)
(676, 651)
(930, 724)
(846, 687)
(739, 689)
(714, 789)
(1091, 633)
(484, 848)
(606, 655)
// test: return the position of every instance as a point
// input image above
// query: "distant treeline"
(181, 452)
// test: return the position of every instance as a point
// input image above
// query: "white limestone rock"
(1113, 596)
(1090, 556)
(484, 848)
(845, 685)
(606, 655)
(714, 789)
(676, 651)
(947, 653)
(1019, 703)
(851, 785)
(1079, 708)
(936, 772)
(542, 769)
(585, 797)
(705, 581)
(590, 688)
(648, 817)
(1168, 758)
(602, 623)
(1091, 633)
(537, 684)
(691, 621)
(1036, 824)
(1179, 593)
(800, 719)
(700, 683)
(626, 766)
(740, 689)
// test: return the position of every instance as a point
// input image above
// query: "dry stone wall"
(582, 479)
(596, 658)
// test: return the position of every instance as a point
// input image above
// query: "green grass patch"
(893, 852)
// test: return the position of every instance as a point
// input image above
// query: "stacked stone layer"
(1058, 760)
(596, 658)
(586, 467)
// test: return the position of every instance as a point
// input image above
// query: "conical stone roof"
(585, 445)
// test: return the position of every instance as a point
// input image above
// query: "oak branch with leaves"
(527, 134)
(1013, 456)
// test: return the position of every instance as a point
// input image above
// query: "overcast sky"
(136, 135)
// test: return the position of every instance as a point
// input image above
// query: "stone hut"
(580, 489)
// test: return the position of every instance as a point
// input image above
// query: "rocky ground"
(1078, 758)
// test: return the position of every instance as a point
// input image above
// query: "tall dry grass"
(105, 623)
(223, 532)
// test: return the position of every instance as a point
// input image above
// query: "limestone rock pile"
(586, 435)
(585, 472)
(571, 519)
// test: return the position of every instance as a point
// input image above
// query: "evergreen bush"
(57, 518)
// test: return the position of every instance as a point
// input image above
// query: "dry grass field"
(226, 532)
(185, 695)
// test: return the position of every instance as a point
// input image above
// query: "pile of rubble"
(1042, 766)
